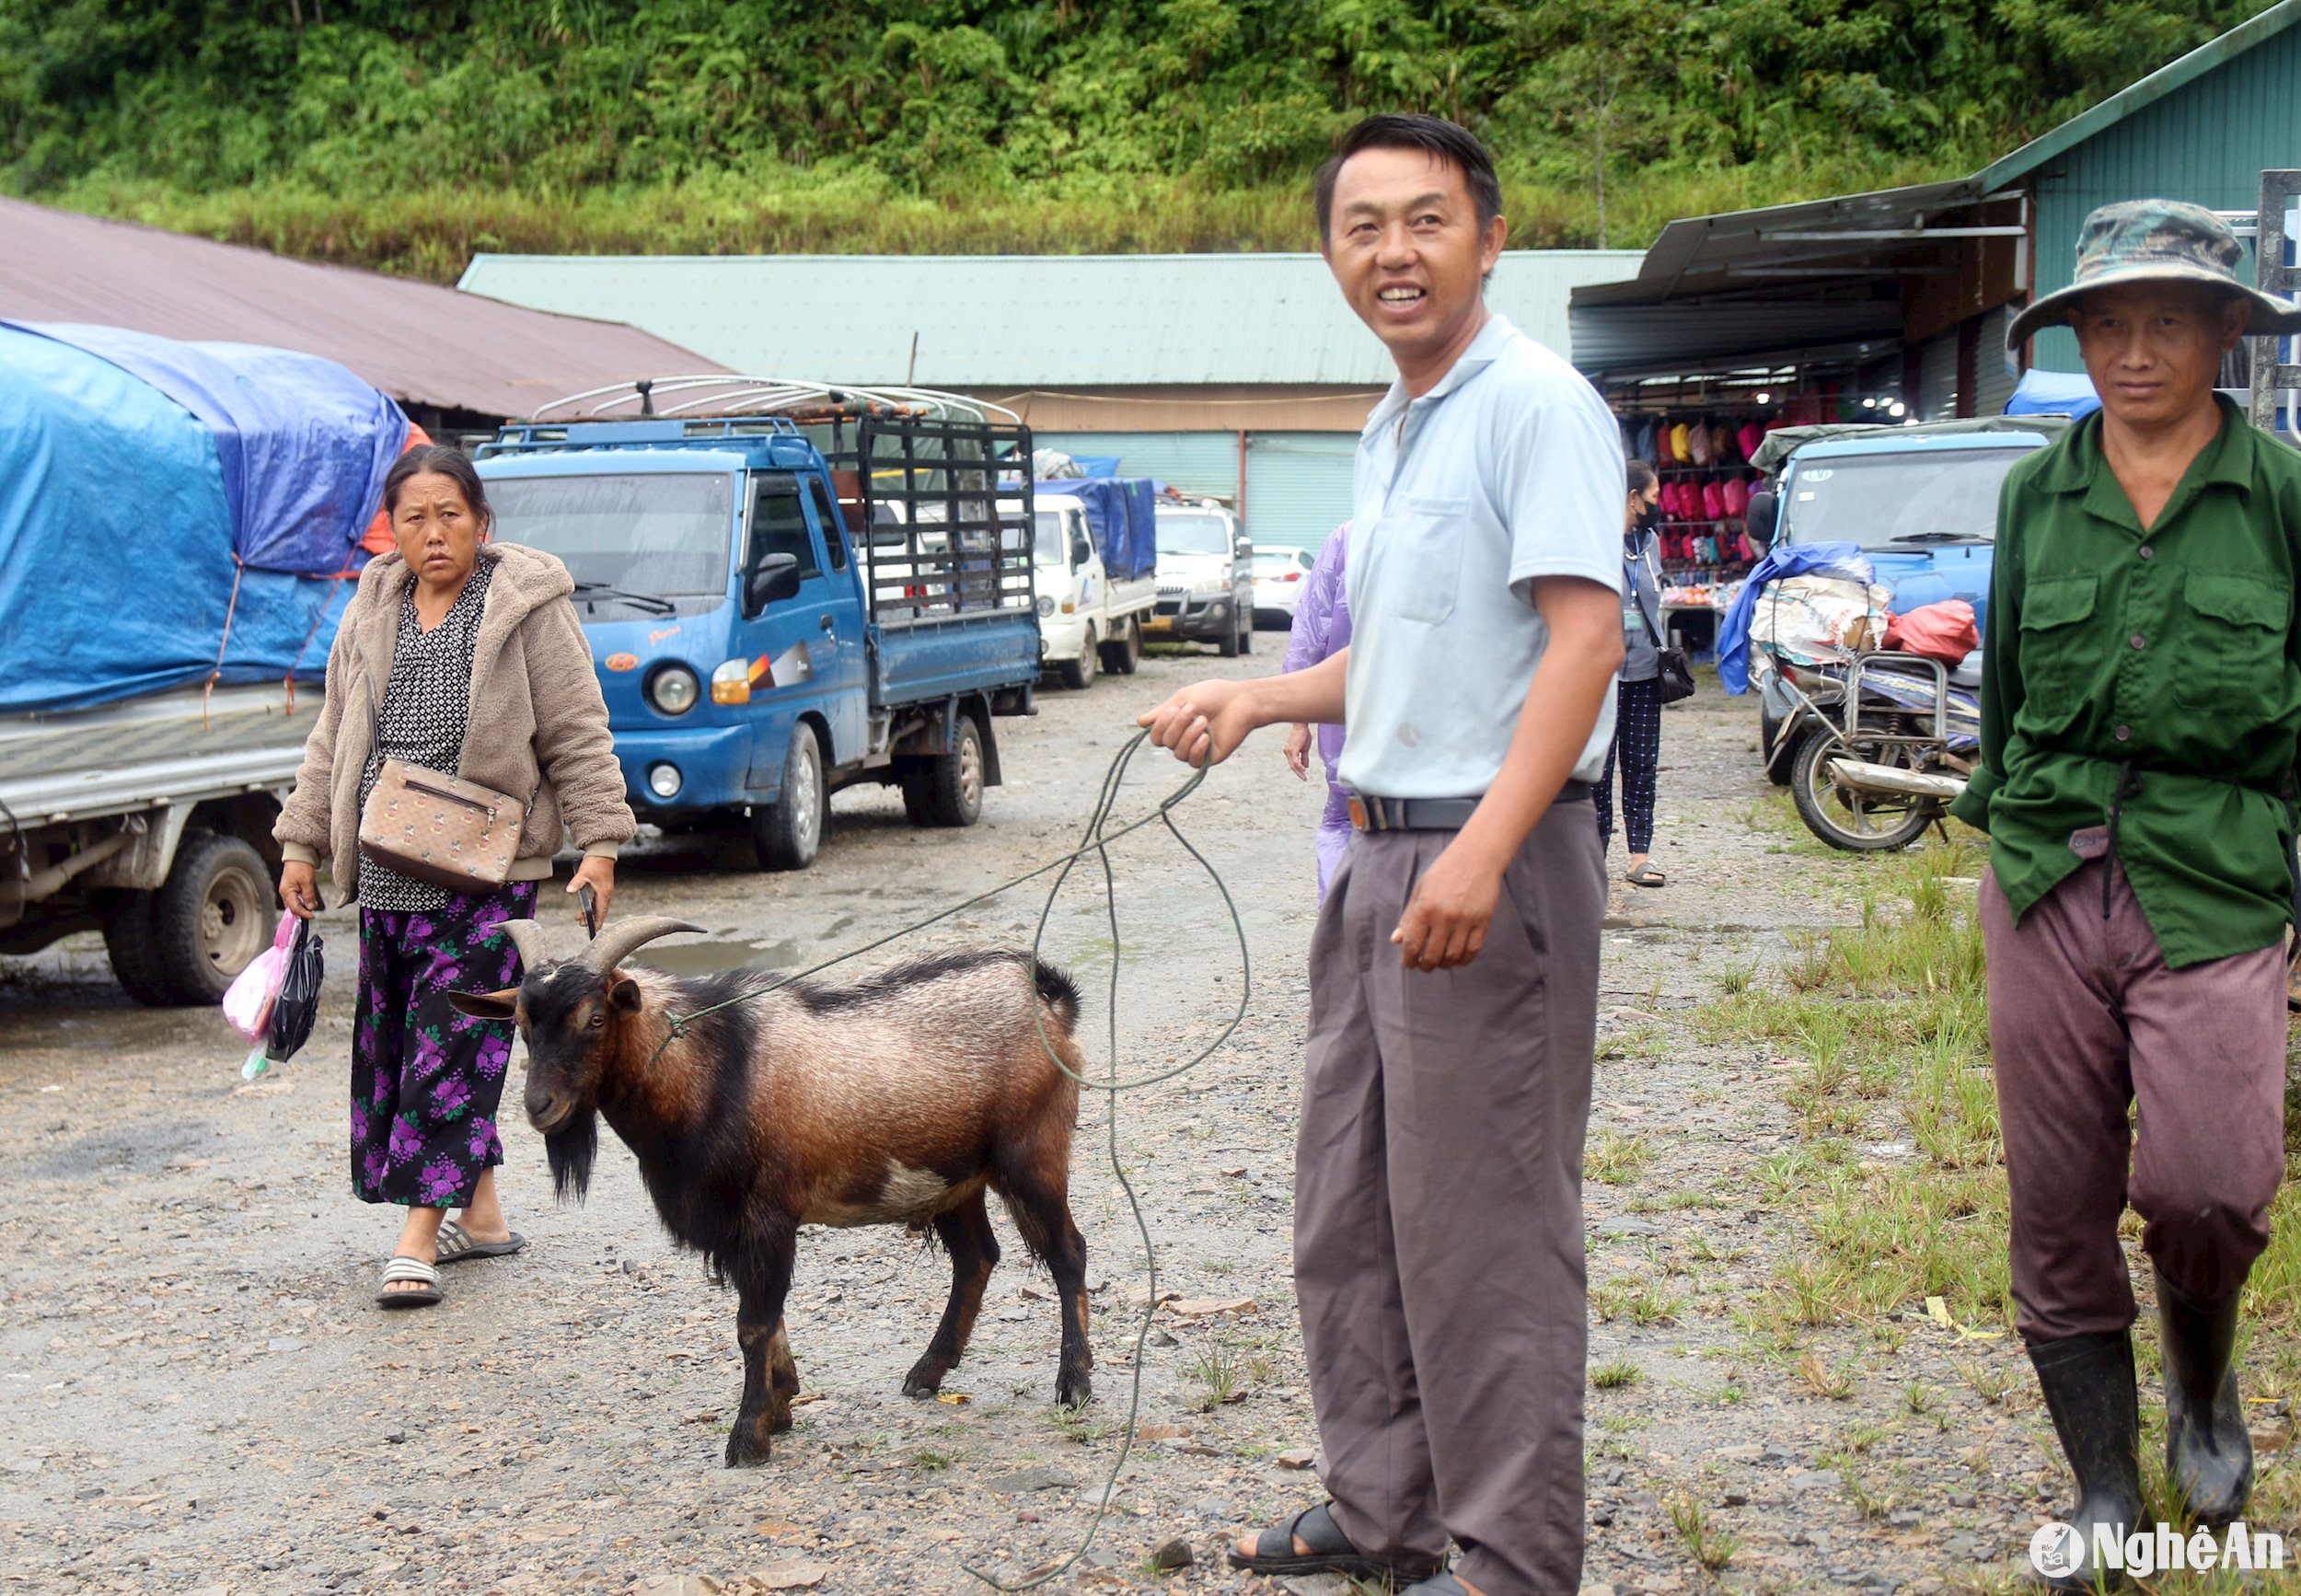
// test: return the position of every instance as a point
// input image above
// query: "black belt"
(1372, 814)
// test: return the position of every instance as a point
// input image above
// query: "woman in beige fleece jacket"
(466, 657)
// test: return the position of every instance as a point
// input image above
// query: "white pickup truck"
(151, 821)
(1087, 618)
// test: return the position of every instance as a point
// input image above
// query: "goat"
(899, 1100)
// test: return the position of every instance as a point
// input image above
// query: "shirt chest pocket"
(1422, 558)
(2056, 646)
(2233, 659)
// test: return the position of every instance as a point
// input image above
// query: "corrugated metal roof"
(419, 342)
(1017, 320)
(2135, 96)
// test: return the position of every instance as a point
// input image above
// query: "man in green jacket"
(2139, 724)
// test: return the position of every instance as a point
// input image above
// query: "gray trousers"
(2086, 1021)
(1437, 1220)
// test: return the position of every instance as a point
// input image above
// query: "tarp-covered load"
(1122, 515)
(170, 511)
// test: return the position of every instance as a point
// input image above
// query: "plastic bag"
(1942, 630)
(248, 1001)
(297, 1004)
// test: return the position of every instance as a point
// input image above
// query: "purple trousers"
(2086, 1021)
(1334, 834)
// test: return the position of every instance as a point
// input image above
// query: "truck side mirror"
(1244, 547)
(774, 579)
(1760, 521)
(1081, 552)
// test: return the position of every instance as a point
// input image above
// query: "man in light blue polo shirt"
(1454, 974)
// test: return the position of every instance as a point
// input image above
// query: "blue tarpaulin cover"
(1797, 560)
(1122, 514)
(118, 532)
(2054, 393)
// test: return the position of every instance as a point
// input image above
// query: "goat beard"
(571, 1153)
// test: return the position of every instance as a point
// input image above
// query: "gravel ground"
(202, 1396)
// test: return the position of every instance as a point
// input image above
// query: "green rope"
(1095, 840)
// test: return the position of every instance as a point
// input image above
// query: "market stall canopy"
(420, 344)
(1819, 278)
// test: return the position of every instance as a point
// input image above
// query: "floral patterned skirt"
(425, 1079)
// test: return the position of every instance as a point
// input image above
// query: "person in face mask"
(1637, 727)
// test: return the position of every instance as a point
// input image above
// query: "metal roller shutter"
(1938, 379)
(1195, 462)
(1298, 487)
(1993, 375)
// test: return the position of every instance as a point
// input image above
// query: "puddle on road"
(708, 958)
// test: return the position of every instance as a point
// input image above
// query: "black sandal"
(1330, 1552)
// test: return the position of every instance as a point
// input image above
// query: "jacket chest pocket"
(2237, 626)
(1422, 558)
(2057, 648)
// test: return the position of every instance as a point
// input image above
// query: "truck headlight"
(673, 690)
(1046, 605)
(1211, 584)
(664, 780)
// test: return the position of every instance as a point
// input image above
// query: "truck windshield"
(660, 533)
(1048, 537)
(1193, 532)
(1899, 502)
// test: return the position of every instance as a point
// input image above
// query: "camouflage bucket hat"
(2154, 241)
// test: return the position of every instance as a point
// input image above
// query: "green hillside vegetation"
(407, 136)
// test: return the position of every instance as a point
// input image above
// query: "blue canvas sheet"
(302, 442)
(1122, 515)
(2054, 393)
(1799, 559)
(116, 544)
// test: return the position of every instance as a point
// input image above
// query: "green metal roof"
(1017, 320)
(2215, 51)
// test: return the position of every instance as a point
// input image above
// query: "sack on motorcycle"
(1817, 620)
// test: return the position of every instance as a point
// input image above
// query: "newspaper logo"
(2056, 1549)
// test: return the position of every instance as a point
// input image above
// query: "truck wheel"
(210, 917)
(1226, 644)
(1079, 672)
(135, 956)
(949, 787)
(788, 834)
(1123, 652)
(1247, 631)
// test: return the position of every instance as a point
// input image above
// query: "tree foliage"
(197, 108)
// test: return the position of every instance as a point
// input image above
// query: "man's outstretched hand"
(1205, 723)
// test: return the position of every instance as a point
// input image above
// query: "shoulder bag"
(1674, 679)
(436, 827)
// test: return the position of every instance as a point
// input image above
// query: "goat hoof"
(745, 1452)
(925, 1380)
(1074, 1391)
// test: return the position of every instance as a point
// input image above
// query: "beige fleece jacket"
(538, 722)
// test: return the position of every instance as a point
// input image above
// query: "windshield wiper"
(646, 601)
(1940, 537)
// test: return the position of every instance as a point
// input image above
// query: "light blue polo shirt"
(1508, 470)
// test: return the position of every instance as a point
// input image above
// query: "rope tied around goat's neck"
(1096, 841)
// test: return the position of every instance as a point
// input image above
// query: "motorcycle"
(1877, 748)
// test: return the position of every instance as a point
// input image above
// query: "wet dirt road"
(203, 1397)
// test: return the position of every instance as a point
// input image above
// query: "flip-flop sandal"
(455, 1244)
(1330, 1552)
(402, 1267)
(1645, 875)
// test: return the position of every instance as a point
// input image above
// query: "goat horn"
(619, 942)
(528, 937)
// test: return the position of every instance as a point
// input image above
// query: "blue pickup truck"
(779, 606)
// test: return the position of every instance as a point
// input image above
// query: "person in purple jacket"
(1322, 628)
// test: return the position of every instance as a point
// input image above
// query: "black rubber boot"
(2088, 1385)
(2208, 1455)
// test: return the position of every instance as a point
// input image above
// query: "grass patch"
(1614, 1374)
(1614, 1158)
(1709, 1545)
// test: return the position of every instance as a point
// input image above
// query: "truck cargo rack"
(723, 394)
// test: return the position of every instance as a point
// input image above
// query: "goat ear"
(623, 992)
(502, 1005)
